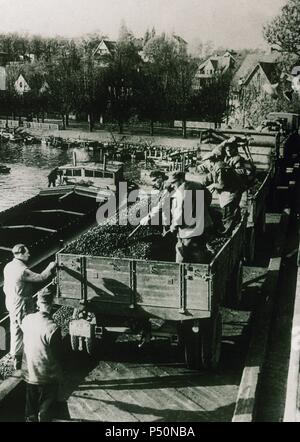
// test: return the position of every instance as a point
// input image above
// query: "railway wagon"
(185, 299)
(265, 150)
(256, 203)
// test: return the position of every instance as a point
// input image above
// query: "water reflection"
(30, 166)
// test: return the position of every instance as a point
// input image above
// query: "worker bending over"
(244, 168)
(224, 180)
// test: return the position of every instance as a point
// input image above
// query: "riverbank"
(103, 136)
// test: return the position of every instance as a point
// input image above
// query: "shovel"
(133, 232)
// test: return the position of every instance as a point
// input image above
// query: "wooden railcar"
(185, 298)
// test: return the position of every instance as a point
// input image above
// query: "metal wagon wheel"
(90, 343)
(74, 342)
(202, 347)
(211, 342)
(192, 346)
(73, 338)
(90, 346)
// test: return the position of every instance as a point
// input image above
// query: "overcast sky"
(230, 23)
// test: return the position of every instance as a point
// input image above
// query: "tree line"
(147, 80)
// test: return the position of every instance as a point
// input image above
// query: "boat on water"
(58, 214)
(91, 174)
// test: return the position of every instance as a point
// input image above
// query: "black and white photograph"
(149, 213)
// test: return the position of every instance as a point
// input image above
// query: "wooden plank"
(156, 289)
(109, 291)
(197, 294)
(292, 411)
(206, 396)
(109, 280)
(166, 298)
(245, 405)
(96, 265)
(157, 268)
(131, 394)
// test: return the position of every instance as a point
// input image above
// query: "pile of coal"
(6, 367)
(111, 239)
(62, 318)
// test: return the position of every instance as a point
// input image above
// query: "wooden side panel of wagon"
(134, 287)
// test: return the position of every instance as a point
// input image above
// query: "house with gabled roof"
(21, 85)
(179, 40)
(104, 48)
(257, 79)
(263, 74)
(212, 67)
(249, 64)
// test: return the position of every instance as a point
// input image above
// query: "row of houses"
(105, 49)
(258, 71)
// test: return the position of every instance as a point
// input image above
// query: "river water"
(30, 166)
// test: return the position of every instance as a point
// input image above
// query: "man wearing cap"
(190, 218)
(42, 370)
(160, 183)
(242, 167)
(227, 183)
(18, 289)
(217, 153)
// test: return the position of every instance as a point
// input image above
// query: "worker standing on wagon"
(42, 370)
(189, 223)
(160, 183)
(18, 289)
(206, 166)
(224, 180)
(245, 169)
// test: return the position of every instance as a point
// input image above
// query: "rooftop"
(251, 61)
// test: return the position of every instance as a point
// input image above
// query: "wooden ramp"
(151, 383)
(129, 392)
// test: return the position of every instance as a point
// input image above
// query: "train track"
(127, 383)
